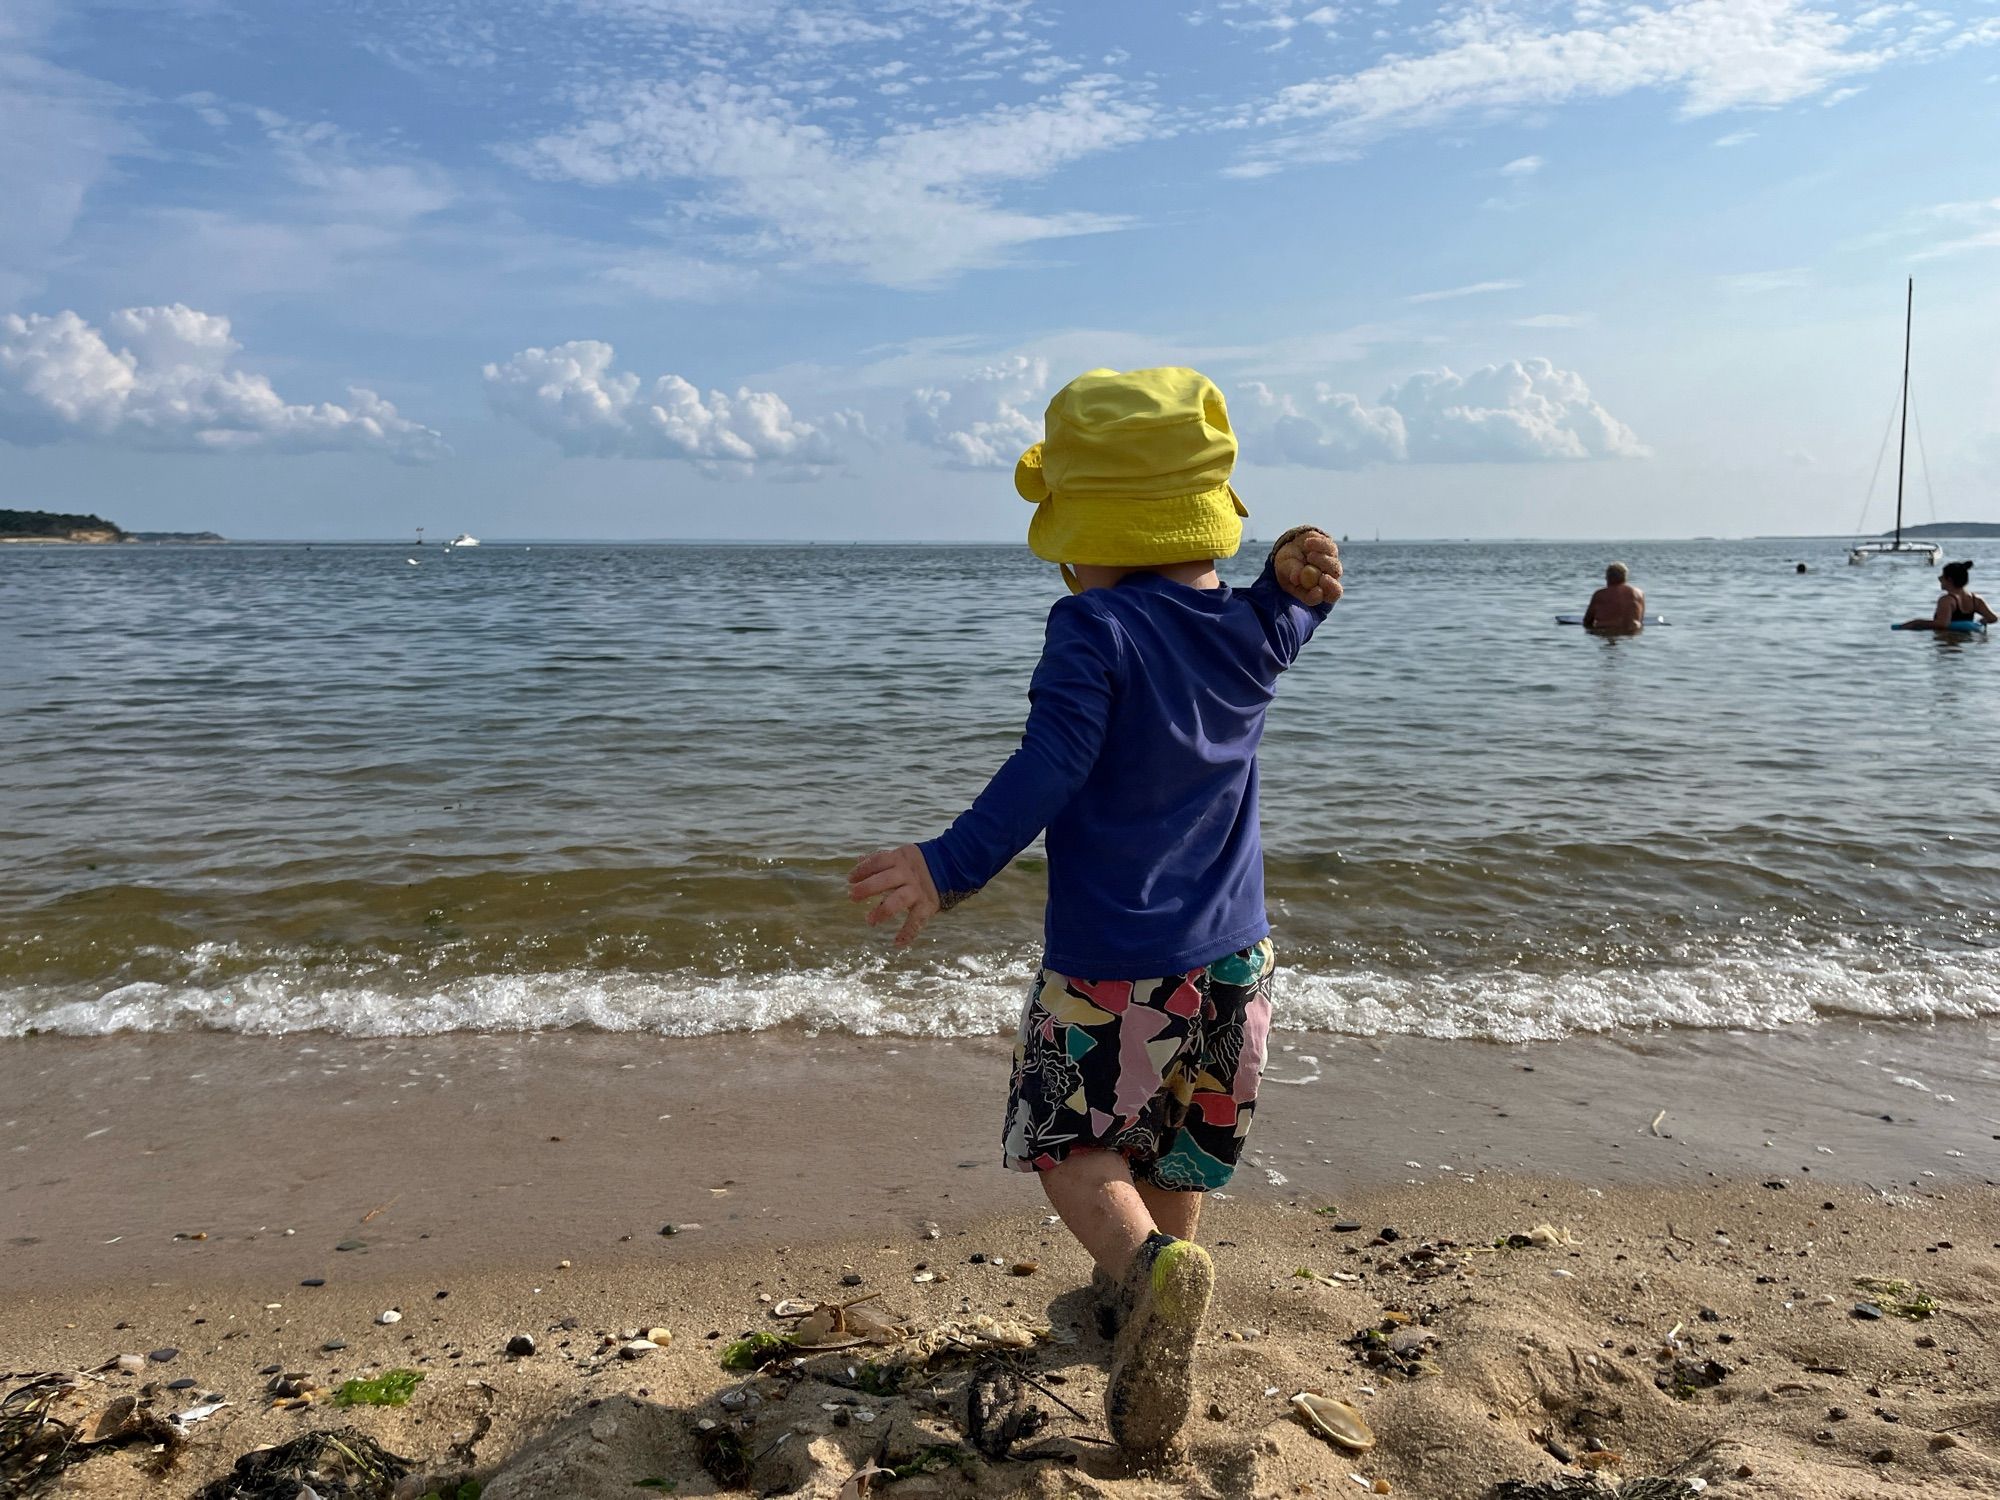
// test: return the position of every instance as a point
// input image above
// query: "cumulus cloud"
(1716, 54)
(985, 420)
(572, 396)
(1518, 412)
(165, 378)
(909, 208)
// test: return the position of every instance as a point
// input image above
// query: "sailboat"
(1898, 548)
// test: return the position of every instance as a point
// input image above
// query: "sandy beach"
(254, 1203)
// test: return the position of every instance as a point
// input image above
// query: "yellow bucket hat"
(1133, 470)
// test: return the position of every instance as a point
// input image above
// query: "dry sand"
(1701, 1326)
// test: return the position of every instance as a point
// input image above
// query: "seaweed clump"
(337, 1464)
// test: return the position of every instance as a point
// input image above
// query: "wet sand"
(456, 1150)
(472, 1167)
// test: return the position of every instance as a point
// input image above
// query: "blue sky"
(653, 268)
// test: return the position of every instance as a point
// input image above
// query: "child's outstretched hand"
(1308, 566)
(903, 881)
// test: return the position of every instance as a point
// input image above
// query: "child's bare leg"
(1177, 1214)
(1094, 1193)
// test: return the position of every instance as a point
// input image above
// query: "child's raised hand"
(903, 881)
(1308, 566)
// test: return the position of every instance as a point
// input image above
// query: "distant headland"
(55, 526)
(1953, 528)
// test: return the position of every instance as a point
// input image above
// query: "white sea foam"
(975, 998)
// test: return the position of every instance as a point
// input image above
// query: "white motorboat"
(463, 539)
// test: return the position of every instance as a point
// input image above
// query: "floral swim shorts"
(1163, 1070)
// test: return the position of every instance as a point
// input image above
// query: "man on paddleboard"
(1618, 606)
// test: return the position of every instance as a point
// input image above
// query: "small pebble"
(185, 1383)
(852, 1278)
(333, 1346)
(391, 1316)
(520, 1346)
(1868, 1312)
(164, 1356)
(131, 1364)
(314, 1281)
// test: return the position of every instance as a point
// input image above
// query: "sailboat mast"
(1903, 438)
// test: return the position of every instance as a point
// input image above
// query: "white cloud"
(342, 186)
(1756, 282)
(1551, 320)
(1474, 289)
(1716, 54)
(572, 396)
(61, 132)
(1975, 226)
(908, 208)
(1523, 166)
(164, 378)
(985, 420)
(1518, 412)
(1736, 138)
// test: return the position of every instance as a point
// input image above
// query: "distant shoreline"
(1969, 531)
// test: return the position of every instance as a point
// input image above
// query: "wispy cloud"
(1967, 226)
(1473, 289)
(1523, 166)
(910, 207)
(1552, 320)
(62, 133)
(1715, 54)
(1766, 281)
(167, 379)
(1735, 138)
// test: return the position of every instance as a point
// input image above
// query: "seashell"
(1336, 1421)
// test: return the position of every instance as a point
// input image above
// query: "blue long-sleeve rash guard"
(1140, 759)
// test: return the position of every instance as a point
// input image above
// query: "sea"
(289, 788)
